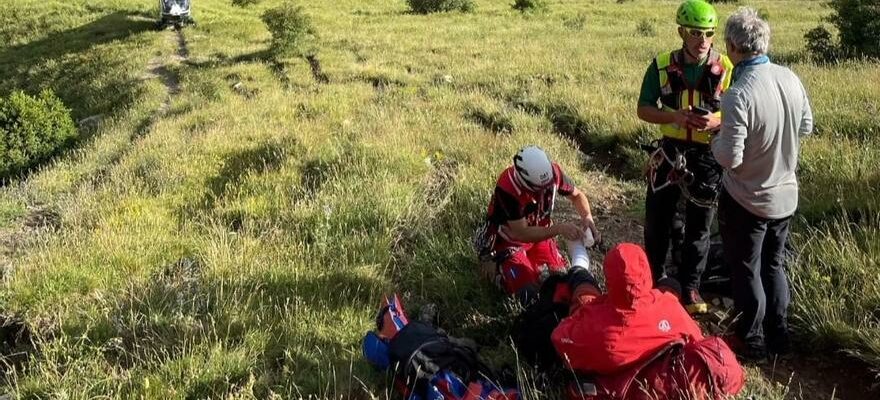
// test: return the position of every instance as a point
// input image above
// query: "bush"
(432, 6)
(529, 5)
(646, 28)
(32, 129)
(292, 31)
(575, 22)
(244, 3)
(859, 24)
(820, 45)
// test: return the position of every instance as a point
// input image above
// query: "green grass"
(237, 243)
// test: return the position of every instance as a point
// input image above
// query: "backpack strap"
(671, 349)
(663, 60)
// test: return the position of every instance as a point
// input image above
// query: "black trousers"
(754, 248)
(661, 207)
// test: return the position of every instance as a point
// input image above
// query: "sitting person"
(517, 242)
(638, 341)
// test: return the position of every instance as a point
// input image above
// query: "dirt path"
(823, 377)
(163, 68)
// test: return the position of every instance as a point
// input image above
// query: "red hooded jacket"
(631, 336)
(630, 323)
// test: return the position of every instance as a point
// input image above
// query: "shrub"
(575, 22)
(244, 3)
(859, 24)
(32, 129)
(432, 6)
(529, 5)
(291, 29)
(820, 45)
(646, 28)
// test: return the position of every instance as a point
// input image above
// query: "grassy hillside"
(228, 228)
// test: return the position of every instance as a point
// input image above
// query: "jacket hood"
(627, 275)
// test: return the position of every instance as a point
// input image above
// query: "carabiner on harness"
(679, 175)
(675, 175)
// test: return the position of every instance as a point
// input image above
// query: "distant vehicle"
(175, 12)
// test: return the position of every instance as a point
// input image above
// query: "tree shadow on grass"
(265, 56)
(261, 159)
(89, 82)
(618, 153)
(48, 63)
(114, 26)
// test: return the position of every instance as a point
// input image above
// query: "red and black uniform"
(521, 264)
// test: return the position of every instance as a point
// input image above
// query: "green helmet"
(697, 14)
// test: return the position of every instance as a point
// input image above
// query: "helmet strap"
(522, 182)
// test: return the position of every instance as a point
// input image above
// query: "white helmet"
(533, 167)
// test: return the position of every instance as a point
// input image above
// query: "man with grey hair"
(764, 113)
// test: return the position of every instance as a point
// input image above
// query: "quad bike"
(175, 13)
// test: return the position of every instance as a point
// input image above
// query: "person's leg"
(698, 218)
(518, 275)
(676, 236)
(773, 262)
(546, 253)
(660, 208)
(742, 235)
(583, 286)
(696, 249)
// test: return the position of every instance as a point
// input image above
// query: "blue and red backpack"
(427, 363)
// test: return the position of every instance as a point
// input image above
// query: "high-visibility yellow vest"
(676, 93)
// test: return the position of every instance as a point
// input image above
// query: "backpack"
(421, 350)
(702, 370)
(427, 364)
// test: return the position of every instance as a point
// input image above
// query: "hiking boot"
(779, 345)
(668, 284)
(747, 353)
(694, 303)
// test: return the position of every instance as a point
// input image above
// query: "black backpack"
(420, 350)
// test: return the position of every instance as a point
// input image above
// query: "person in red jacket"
(628, 338)
(517, 242)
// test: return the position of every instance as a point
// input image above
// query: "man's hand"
(703, 122)
(681, 118)
(569, 231)
(588, 223)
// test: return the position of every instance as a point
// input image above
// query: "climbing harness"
(678, 175)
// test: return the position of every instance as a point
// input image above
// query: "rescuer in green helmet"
(681, 92)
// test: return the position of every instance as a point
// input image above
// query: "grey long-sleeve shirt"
(763, 115)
